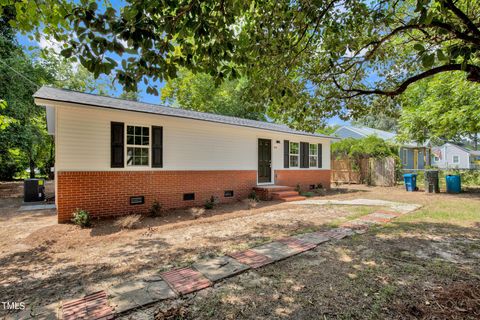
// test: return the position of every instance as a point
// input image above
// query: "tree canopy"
(331, 55)
(371, 146)
(445, 106)
(198, 91)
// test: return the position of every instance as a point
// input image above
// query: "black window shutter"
(320, 155)
(157, 147)
(117, 145)
(304, 149)
(286, 153)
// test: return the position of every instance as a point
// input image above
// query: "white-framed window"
(405, 157)
(313, 155)
(294, 154)
(455, 159)
(436, 159)
(138, 145)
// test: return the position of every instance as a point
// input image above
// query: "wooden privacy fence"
(371, 171)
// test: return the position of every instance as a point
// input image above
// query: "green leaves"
(428, 60)
(442, 107)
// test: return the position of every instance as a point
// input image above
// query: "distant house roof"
(93, 100)
(365, 132)
(385, 135)
(462, 148)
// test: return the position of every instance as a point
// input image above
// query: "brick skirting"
(304, 178)
(107, 193)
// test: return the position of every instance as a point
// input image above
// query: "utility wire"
(20, 74)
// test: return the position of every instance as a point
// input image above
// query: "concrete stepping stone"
(275, 251)
(313, 237)
(338, 233)
(251, 258)
(186, 280)
(220, 268)
(376, 219)
(371, 220)
(49, 312)
(298, 245)
(93, 306)
(134, 294)
(385, 213)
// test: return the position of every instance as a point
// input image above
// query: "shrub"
(253, 196)
(128, 222)
(155, 209)
(81, 218)
(197, 212)
(308, 194)
(210, 203)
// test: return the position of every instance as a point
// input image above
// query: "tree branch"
(460, 14)
(473, 75)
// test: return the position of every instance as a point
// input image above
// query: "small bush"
(251, 203)
(128, 222)
(298, 188)
(155, 209)
(81, 218)
(210, 203)
(253, 196)
(308, 194)
(197, 212)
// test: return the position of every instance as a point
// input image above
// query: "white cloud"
(50, 43)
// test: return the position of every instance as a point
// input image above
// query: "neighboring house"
(454, 156)
(412, 155)
(116, 157)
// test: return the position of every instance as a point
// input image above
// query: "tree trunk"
(32, 169)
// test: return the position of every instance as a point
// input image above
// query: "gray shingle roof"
(62, 95)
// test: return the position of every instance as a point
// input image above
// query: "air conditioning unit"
(33, 190)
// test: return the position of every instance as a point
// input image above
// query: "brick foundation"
(304, 178)
(107, 194)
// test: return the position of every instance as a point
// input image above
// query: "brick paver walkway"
(92, 307)
(251, 258)
(297, 245)
(204, 273)
(186, 280)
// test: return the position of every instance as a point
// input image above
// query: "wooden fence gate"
(371, 171)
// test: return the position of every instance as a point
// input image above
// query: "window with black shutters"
(117, 145)
(138, 145)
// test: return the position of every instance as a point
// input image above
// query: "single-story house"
(413, 155)
(451, 155)
(115, 157)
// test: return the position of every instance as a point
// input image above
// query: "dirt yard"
(44, 262)
(363, 277)
(424, 265)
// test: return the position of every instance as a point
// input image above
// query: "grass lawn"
(424, 265)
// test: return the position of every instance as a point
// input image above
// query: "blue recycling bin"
(454, 184)
(410, 180)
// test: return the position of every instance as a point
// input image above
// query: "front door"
(264, 160)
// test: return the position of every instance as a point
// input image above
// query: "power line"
(20, 74)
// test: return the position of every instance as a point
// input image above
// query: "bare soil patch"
(44, 262)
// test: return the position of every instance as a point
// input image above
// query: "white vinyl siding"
(83, 142)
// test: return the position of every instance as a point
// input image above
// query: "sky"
(143, 95)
